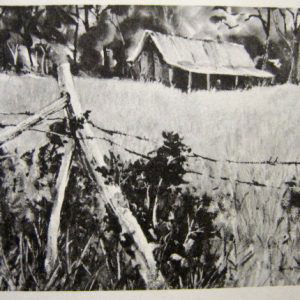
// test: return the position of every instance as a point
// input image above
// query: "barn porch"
(189, 81)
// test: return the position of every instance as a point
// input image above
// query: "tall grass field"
(260, 124)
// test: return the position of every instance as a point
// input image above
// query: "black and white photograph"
(149, 147)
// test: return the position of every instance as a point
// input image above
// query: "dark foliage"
(171, 213)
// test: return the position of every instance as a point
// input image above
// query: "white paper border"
(254, 293)
(245, 3)
(261, 293)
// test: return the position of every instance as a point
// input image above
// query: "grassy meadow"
(252, 125)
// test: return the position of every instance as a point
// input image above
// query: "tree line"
(89, 31)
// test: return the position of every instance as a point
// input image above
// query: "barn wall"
(161, 68)
(134, 70)
(147, 64)
(157, 67)
(150, 66)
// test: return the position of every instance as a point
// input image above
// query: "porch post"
(272, 81)
(189, 87)
(236, 81)
(208, 82)
(171, 76)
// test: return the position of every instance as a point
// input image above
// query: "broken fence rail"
(118, 132)
(24, 113)
(107, 131)
(11, 133)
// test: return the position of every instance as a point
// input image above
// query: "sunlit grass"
(239, 125)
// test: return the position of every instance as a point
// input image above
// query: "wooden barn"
(193, 64)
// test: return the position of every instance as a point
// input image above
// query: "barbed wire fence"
(115, 132)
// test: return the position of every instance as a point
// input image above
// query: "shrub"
(172, 214)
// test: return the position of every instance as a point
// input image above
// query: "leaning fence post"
(111, 194)
(54, 223)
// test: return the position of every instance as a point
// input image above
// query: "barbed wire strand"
(26, 113)
(271, 161)
(119, 145)
(118, 132)
(250, 183)
(3, 125)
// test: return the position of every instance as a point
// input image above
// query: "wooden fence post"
(111, 194)
(54, 223)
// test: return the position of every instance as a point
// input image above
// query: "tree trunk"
(43, 60)
(4, 57)
(106, 61)
(76, 35)
(122, 61)
(294, 72)
(30, 57)
(267, 29)
(122, 56)
(266, 54)
(14, 53)
(86, 18)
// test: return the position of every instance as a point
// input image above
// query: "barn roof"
(201, 56)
